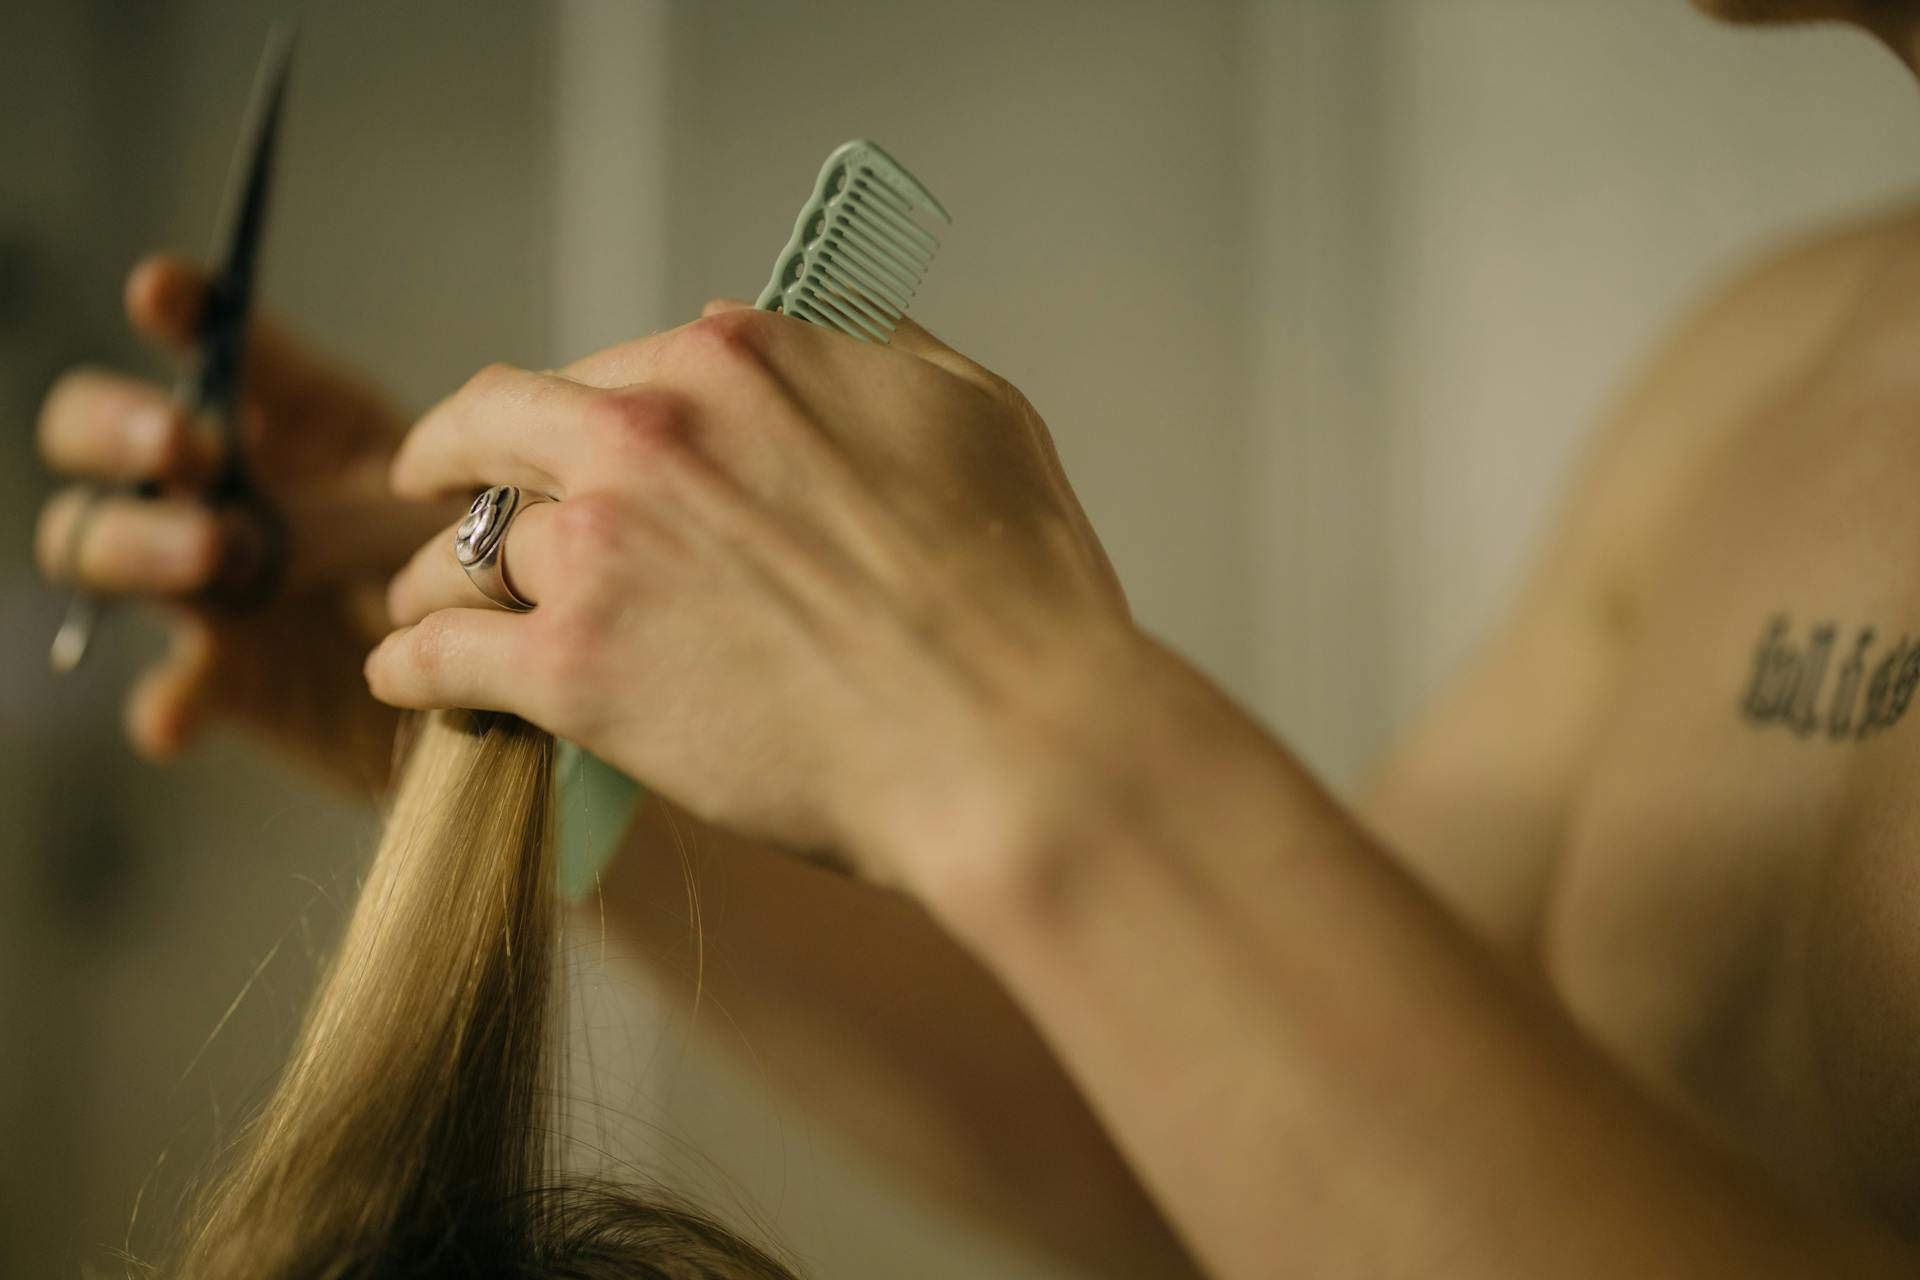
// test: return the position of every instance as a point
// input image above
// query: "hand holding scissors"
(252, 508)
(254, 552)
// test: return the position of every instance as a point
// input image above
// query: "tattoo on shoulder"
(1801, 686)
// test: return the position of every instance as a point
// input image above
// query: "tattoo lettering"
(1789, 682)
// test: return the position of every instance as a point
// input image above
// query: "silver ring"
(91, 499)
(480, 543)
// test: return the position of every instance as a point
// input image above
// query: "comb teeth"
(856, 256)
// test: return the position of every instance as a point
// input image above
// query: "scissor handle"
(253, 563)
(256, 540)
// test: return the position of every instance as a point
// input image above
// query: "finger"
(909, 337)
(111, 427)
(153, 546)
(330, 412)
(802, 353)
(367, 531)
(168, 705)
(505, 426)
(647, 358)
(662, 356)
(454, 658)
(434, 579)
(164, 297)
(745, 375)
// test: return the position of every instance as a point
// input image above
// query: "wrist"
(1086, 760)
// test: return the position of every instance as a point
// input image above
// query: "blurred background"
(1322, 299)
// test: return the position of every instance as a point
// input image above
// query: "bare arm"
(854, 1002)
(900, 646)
(1315, 1068)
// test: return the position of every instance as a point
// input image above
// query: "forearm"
(852, 1002)
(1313, 1067)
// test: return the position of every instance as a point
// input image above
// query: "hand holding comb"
(853, 263)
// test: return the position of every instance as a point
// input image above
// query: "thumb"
(910, 337)
(163, 298)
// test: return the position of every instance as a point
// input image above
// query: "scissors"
(255, 561)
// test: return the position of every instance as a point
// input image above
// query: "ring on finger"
(480, 542)
(87, 507)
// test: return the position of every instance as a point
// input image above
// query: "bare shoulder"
(1785, 303)
(1477, 796)
(1817, 309)
(1751, 338)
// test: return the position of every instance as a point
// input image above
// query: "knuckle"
(982, 383)
(488, 378)
(569, 639)
(566, 662)
(996, 386)
(636, 421)
(429, 644)
(590, 526)
(733, 336)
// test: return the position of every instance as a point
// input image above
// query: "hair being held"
(413, 1130)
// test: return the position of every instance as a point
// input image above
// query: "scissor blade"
(211, 389)
(71, 642)
(238, 240)
(223, 324)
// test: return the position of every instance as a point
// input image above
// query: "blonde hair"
(411, 1133)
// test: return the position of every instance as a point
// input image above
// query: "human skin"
(1895, 22)
(319, 443)
(971, 1109)
(1463, 795)
(841, 636)
(1521, 796)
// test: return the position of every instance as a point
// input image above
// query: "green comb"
(856, 256)
(853, 263)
